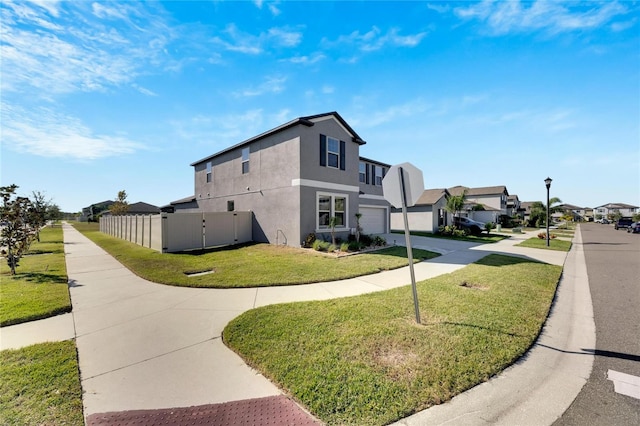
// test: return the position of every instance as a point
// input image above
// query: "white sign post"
(402, 186)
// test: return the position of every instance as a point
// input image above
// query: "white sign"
(413, 184)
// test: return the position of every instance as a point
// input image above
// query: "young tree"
(121, 206)
(17, 230)
(455, 204)
(333, 221)
(39, 206)
(538, 214)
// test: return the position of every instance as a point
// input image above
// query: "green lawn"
(252, 265)
(483, 238)
(364, 361)
(39, 288)
(541, 243)
(40, 385)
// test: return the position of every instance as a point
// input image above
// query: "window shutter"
(323, 150)
(367, 174)
(384, 172)
(343, 149)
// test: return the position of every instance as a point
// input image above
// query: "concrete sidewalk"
(148, 346)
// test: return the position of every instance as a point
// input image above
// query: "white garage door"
(372, 220)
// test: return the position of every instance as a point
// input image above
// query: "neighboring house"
(525, 209)
(578, 214)
(142, 208)
(626, 210)
(513, 205)
(294, 178)
(92, 212)
(426, 215)
(483, 204)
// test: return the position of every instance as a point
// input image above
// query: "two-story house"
(294, 178)
(483, 204)
(607, 211)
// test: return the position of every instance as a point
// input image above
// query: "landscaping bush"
(344, 247)
(311, 238)
(332, 248)
(366, 240)
(489, 226)
(379, 241)
(543, 236)
(354, 246)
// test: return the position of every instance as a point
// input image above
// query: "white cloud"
(307, 60)
(503, 17)
(48, 133)
(239, 41)
(374, 39)
(79, 51)
(270, 85)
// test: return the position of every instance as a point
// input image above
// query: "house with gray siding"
(427, 215)
(294, 178)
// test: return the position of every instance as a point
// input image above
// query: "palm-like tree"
(455, 204)
(538, 214)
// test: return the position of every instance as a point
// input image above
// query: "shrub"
(366, 240)
(489, 226)
(320, 245)
(344, 246)
(460, 233)
(311, 238)
(379, 241)
(542, 235)
(331, 248)
(354, 246)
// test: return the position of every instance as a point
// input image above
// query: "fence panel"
(173, 232)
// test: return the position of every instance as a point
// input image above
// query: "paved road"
(613, 267)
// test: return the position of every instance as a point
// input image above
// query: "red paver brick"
(273, 410)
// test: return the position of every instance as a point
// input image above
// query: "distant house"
(426, 215)
(626, 210)
(513, 205)
(578, 214)
(143, 208)
(294, 178)
(93, 212)
(483, 204)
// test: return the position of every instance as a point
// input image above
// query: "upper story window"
(379, 174)
(209, 172)
(363, 172)
(332, 152)
(245, 160)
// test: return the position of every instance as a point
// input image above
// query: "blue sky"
(97, 97)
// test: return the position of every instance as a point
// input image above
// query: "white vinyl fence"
(173, 232)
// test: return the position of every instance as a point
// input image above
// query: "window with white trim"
(331, 205)
(363, 172)
(209, 172)
(245, 160)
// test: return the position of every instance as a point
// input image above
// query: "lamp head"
(547, 182)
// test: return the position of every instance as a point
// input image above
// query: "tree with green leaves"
(39, 206)
(455, 204)
(538, 215)
(121, 206)
(17, 228)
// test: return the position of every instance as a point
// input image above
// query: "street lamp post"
(547, 182)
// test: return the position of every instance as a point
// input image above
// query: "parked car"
(603, 220)
(625, 222)
(474, 227)
(634, 228)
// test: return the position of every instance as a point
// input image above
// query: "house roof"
(483, 190)
(431, 196)
(617, 206)
(142, 207)
(308, 121)
(570, 207)
(368, 160)
(184, 200)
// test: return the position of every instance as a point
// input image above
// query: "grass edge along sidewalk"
(363, 360)
(253, 265)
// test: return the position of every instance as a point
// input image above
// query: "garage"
(373, 220)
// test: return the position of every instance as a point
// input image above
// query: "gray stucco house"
(294, 178)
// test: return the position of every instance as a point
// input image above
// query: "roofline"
(374, 161)
(305, 121)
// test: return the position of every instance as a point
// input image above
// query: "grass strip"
(254, 265)
(364, 361)
(541, 243)
(39, 288)
(483, 238)
(40, 385)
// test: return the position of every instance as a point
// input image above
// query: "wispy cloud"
(236, 40)
(47, 132)
(272, 6)
(373, 118)
(374, 39)
(307, 60)
(552, 17)
(270, 85)
(87, 47)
